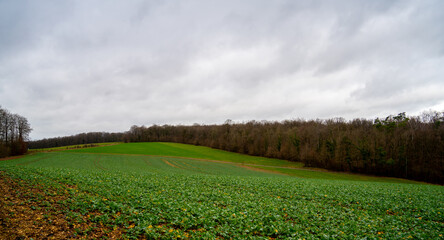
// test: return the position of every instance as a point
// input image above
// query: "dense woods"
(82, 138)
(395, 146)
(398, 146)
(14, 132)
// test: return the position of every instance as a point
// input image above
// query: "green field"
(78, 146)
(185, 150)
(175, 191)
(198, 152)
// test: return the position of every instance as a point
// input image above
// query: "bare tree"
(14, 132)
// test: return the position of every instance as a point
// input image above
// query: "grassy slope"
(80, 146)
(132, 164)
(269, 164)
(185, 150)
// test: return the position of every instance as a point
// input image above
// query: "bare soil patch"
(23, 216)
(36, 212)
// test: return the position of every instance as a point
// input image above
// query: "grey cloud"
(103, 66)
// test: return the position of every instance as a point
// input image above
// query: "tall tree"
(14, 132)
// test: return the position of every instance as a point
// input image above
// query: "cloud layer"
(78, 66)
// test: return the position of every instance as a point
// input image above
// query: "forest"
(82, 138)
(395, 146)
(14, 133)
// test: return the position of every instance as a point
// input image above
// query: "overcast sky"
(80, 66)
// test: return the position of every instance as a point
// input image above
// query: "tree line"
(82, 138)
(395, 146)
(14, 133)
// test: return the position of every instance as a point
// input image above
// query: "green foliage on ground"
(156, 190)
(200, 152)
(138, 163)
(174, 198)
(323, 174)
(186, 150)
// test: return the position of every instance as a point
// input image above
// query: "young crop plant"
(172, 197)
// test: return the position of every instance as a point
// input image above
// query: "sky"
(82, 66)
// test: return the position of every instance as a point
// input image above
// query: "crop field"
(71, 147)
(176, 191)
(185, 150)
